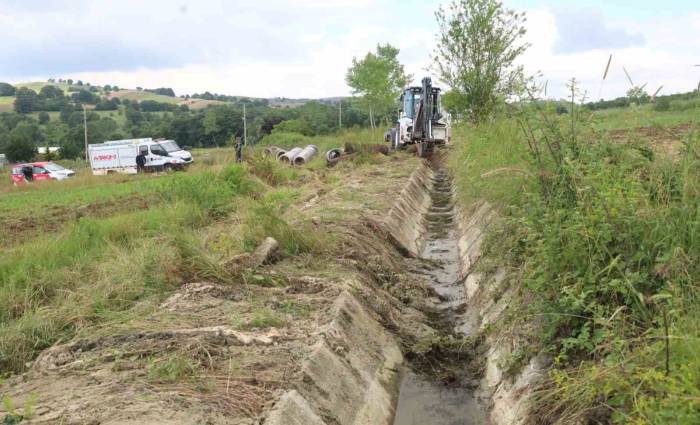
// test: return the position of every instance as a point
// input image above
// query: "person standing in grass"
(238, 145)
(140, 162)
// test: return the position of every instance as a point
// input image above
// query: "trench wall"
(351, 375)
(488, 298)
(405, 221)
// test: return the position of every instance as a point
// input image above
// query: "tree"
(22, 142)
(44, 117)
(25, 100)
(69, 81)
(165, 91)
(478, 43)
(379, 78)
(85, 96)
(7, 89)
(50, 92)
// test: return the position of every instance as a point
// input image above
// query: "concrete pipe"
(272, 150)
(305, 155)
(333, 153)
(288, 157)
(333, 161)
(279, 153)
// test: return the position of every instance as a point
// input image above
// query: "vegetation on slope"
(604, 240)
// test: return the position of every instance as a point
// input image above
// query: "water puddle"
(421, 401)
(425, 403)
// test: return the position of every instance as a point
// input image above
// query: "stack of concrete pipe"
(296, 156)
(305, 155)
(288, 157)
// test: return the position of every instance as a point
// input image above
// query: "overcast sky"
(302, 48)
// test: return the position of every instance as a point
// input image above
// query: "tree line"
(216, 125)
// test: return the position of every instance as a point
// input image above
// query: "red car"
(37, 171)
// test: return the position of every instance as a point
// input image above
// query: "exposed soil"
(666, 140)
(32, 223)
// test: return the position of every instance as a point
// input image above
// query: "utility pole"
(340, 114)
(245, 128)
(87, 157)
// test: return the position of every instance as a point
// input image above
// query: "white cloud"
(301, 48)
(665, 59)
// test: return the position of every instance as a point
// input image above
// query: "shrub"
(285, 140)
(606, 245)
(662, 105)
(266, 219)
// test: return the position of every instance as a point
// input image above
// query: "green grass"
(7, 103)
(83, 275)
(87, 190)
(490, 162)
(140, 96)
(95, 270)
(643, 116)
(603, 240)
(38, 85)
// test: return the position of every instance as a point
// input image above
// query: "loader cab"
(410, 99)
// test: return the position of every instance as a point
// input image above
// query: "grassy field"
(140, 96)
(603, 239)
(644, 116)
(7, 103)
(37, 85)
(56, 280)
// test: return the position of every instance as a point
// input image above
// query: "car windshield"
(53, 167)
(170, 146)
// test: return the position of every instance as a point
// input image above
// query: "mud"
(423, 396)
(422, 402)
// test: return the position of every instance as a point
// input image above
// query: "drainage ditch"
(425, 397)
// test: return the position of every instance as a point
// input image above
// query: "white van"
(173, 149)
(119, 156)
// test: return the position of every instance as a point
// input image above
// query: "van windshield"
(170, 146)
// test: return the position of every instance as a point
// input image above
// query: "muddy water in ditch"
(422, 400)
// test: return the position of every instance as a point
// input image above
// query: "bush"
(606, 248)
(266, 219)
(285, 140)
(662, 105)
(7, 89)
(268, 169)
(210, 191)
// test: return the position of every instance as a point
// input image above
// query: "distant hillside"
(139, 95)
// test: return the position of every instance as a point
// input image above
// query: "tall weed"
(607, 242)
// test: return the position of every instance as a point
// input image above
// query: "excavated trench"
(424, 397)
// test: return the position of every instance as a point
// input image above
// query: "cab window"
(39, 170)
(158, 150)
